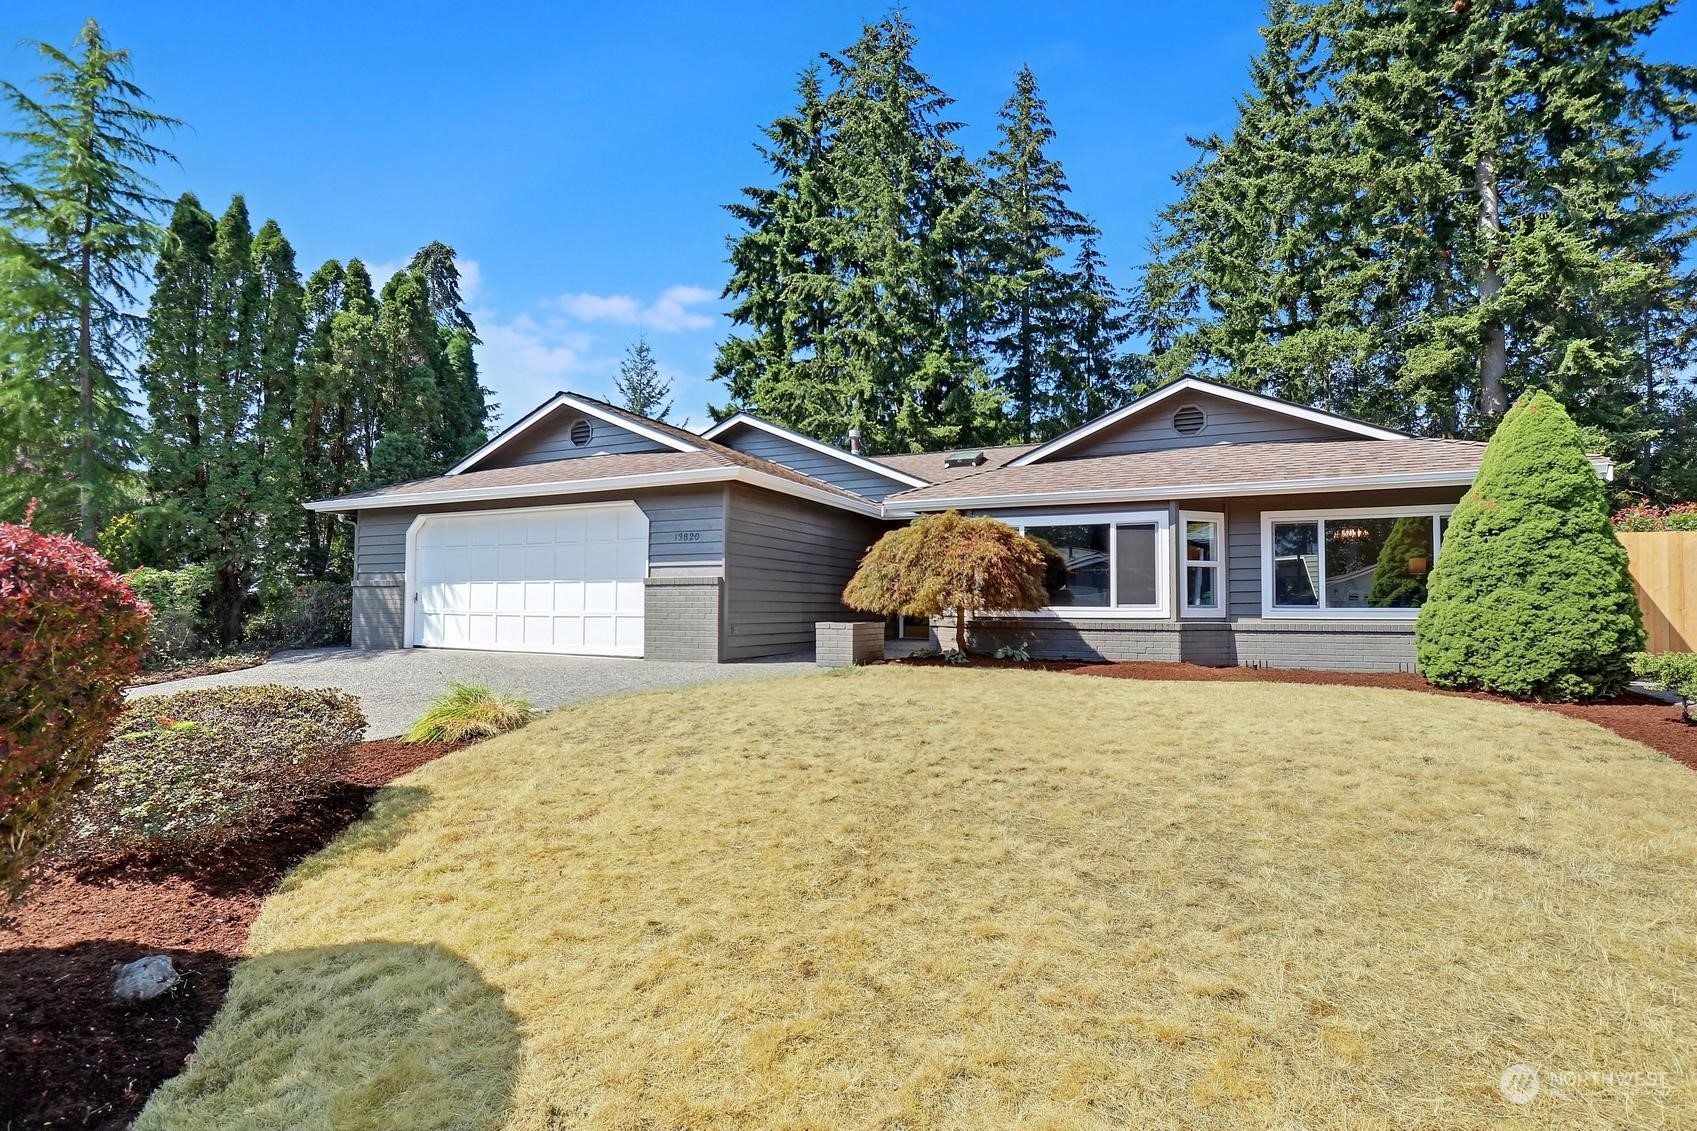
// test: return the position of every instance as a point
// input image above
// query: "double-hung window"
(1202, 552)
(1113, 565)
(1371, 562)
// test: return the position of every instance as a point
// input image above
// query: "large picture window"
(1110, 565)
(1371, 562)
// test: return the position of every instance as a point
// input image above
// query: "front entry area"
(565, 579)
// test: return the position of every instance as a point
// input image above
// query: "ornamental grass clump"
(467, 712)
(192, 770)
(947, 561)
(71, 637)
(1530, 596)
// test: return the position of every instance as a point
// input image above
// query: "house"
(1199, 523)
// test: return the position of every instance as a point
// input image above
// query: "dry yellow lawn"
(906, 898)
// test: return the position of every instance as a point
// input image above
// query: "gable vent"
(581, 433)
(1189, 420)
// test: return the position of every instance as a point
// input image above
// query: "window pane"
(1078, 568)
(1136, 554)
(1199, 586)
(1378, 563)
(1201, 542)
(1296, 563)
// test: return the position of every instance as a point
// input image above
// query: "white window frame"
(1222, 598)
(1319, 612)
(1161, 520)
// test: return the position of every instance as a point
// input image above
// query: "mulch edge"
(74, 1057)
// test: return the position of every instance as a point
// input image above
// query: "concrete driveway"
(395, 687)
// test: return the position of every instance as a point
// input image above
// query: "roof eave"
(897, 507)
(746, 419)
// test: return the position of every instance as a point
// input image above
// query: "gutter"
(730, 474)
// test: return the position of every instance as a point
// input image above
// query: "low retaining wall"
(1327, 645)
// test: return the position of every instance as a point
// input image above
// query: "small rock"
(144, 979)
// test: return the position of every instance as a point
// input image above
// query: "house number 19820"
(686, 536)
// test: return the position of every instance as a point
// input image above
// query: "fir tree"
(784, 280)
(1031, 301)
(642, 388)
(438, 268)
(1095, 372)
(414, 437)
(77, 230)
(1425, 209)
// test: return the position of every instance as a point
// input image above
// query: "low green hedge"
(188, 770)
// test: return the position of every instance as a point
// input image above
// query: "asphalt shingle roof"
(1221, 466)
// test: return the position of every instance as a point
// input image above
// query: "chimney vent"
(854, 441)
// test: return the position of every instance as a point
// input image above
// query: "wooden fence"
(1664, 566)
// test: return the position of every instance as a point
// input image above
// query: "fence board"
(1664, 567)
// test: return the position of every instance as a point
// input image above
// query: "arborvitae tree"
(357, 352)
(76, 231)
(1426, 208)
(1531, 596)
(414, 438)
(1031, 298)
(467, 408)
(178, 369)
(642, 389)
(322, 439)
(279, 325)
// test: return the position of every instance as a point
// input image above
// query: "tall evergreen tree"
(859, 276)
(322, 441)
(1095, 373)
(784, 280)
(1426, 209)
(642, 389)
(436, 264)
(1031, 296)
(414, 439)
(279, 325)
(77, 228)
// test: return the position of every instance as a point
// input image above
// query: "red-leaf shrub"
(1645, 516)
(71, 636)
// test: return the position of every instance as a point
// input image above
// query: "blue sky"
(578, 155)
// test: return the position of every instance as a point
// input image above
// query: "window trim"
(1195, 612)
(1161, 520)
(1270, 611)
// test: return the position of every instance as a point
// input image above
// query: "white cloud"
(673, 310)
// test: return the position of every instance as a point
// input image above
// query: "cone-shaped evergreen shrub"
(1531, 596)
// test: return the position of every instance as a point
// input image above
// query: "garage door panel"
(566, 580)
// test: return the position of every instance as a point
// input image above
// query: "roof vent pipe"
(854, 441)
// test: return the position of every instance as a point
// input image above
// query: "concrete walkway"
(395, 687)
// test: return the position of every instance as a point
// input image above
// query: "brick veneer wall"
(1327, 645)
(682, 618)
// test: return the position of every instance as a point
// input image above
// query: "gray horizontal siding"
(800, 457)
(550, 439)
(786, 562)
(686, 530)
(1323, 645)
(1228, 422)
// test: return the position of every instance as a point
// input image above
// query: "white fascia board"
(604, 485)
(1226, 392)
(523, 490)
(897, 508)
(809, 442)
(559, 400)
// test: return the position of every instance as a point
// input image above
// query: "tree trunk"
(1493, 356)
(85, 377)
(960, 629)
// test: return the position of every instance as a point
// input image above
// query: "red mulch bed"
(1657, 725)
(71, 1056)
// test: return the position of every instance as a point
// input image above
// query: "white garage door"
(558, 579)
